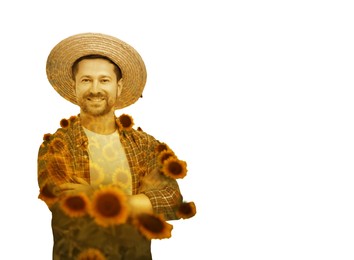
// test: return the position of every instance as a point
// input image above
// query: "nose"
(95, 86)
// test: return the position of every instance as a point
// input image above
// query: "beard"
(96, 104)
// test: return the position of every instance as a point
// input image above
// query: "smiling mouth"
(95, 99)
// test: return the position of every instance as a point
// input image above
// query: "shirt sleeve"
(163, 191)
(53, 167)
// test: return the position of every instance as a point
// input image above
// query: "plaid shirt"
(65, 154)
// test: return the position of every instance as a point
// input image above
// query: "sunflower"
(165, 155)
(75, 205)
(109, 206)
(64, 123)
(125, 122)
(47, 195)
(72, 118)
(161, 147)
(153, 226)
(96, 174)
(174, 168)
(57, 145)
(186, 210)
(46, 137)
(91, 254)
(109, 152)
(58, 169)
(122, 179)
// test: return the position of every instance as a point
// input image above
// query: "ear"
(119, 87)
(73, 85)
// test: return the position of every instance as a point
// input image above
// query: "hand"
(153, 180)
(139, 203)
(80, 186)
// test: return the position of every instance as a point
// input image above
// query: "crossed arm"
(138, 203)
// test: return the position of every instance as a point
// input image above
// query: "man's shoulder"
(67, 128)
(138, 133)
(131, 132)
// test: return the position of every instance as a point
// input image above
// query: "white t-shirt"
(108, 161)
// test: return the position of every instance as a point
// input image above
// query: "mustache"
(95, 95)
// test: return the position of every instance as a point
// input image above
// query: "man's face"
(96, 86)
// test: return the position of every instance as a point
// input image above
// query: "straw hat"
(66, 52)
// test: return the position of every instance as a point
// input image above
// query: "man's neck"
(105, 124)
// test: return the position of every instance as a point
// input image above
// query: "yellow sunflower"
(122, 179)
(91, 254)
(174, 168)
(109, 152)
(59, 169)
(109, 206)
(96, 174)
(72, 118)
(153, 226)
(186, 210)
(125, 121)
(164, 155)
(47, 195)
(57, 145)
(64, 123)
(47, 136)
(75, 205)
(161, 147)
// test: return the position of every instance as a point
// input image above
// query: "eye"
(105, 80)
(85, 80)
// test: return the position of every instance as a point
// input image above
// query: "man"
(103, 180)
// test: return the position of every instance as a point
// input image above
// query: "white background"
(256, 96)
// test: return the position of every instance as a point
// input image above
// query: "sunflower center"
(47, 193)
(175, 168)
(108, 205)
(76, 203)
(152, 223)
(161, 147)
(185, 209)
(125, 121)
(165, 156)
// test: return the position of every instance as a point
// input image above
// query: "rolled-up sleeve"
(163, 191)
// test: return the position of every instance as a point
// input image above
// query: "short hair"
(74, 67)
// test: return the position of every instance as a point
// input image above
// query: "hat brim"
(66, 52)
